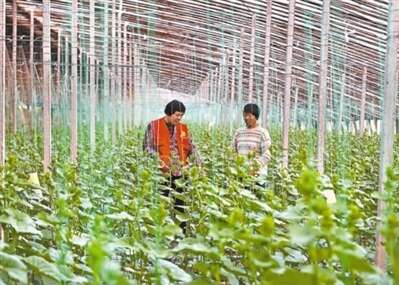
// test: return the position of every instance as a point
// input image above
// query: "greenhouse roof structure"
(184, 41)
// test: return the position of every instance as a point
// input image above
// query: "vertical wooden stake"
(241, 67)
(233, 75)
(46, 85)
(388, 122)
(14, 98)
(74, 82)
(93, 95)
(363, 101)
(2, 80)
(288, 80)
(341, 104)
(105, 72)
(266, 68)
(323, 84)
(252, 60)
(32, 93)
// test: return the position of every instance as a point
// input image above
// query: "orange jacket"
(161, 137)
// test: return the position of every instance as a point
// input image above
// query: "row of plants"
(104, 220)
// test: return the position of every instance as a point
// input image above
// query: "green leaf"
(120, 216)
(194, 245)
(46, 268)
(201, 281)
(302, 234)
(230, 277)
(175, 271)
(14, 267)
(20, 221)
(295, 256)
(81, 240)
(354, 260)
(290, 276)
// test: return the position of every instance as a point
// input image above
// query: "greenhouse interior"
(199, 142)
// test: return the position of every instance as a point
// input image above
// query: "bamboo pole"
(74, 79)
(288, 81)
(93, 95)
(266, 68)
(323, 85)
(14, 99)
(46, 85)
(363, 101)
(252, 59)
(2, 80)
(388, 121)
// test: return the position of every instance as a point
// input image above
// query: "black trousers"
(178, 204)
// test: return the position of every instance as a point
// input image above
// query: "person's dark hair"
(174, 106)
(253, 109)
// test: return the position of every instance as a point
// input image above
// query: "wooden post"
(323, 84)
(2, 80)
(295, 119)
(309, 62)
(82, 59)
(241, 67)
(32, 93)
(46, 85)
(233, 74)
(119, 110)
(93, 96)
(388, 122)
(105, 73)
(288, 80)
(136, 82)
(266, 68)
(58, 74)
(363, 101)
(130, 83)
(74, 86)
(211, 86)
(58, 79)
(125, 97)
(14, 99)
(67, 82)
(113, 74)
(341, 103)
(252, 60)
(226, 77)
(220, 81)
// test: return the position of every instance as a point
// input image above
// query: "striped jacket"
(255, 140)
